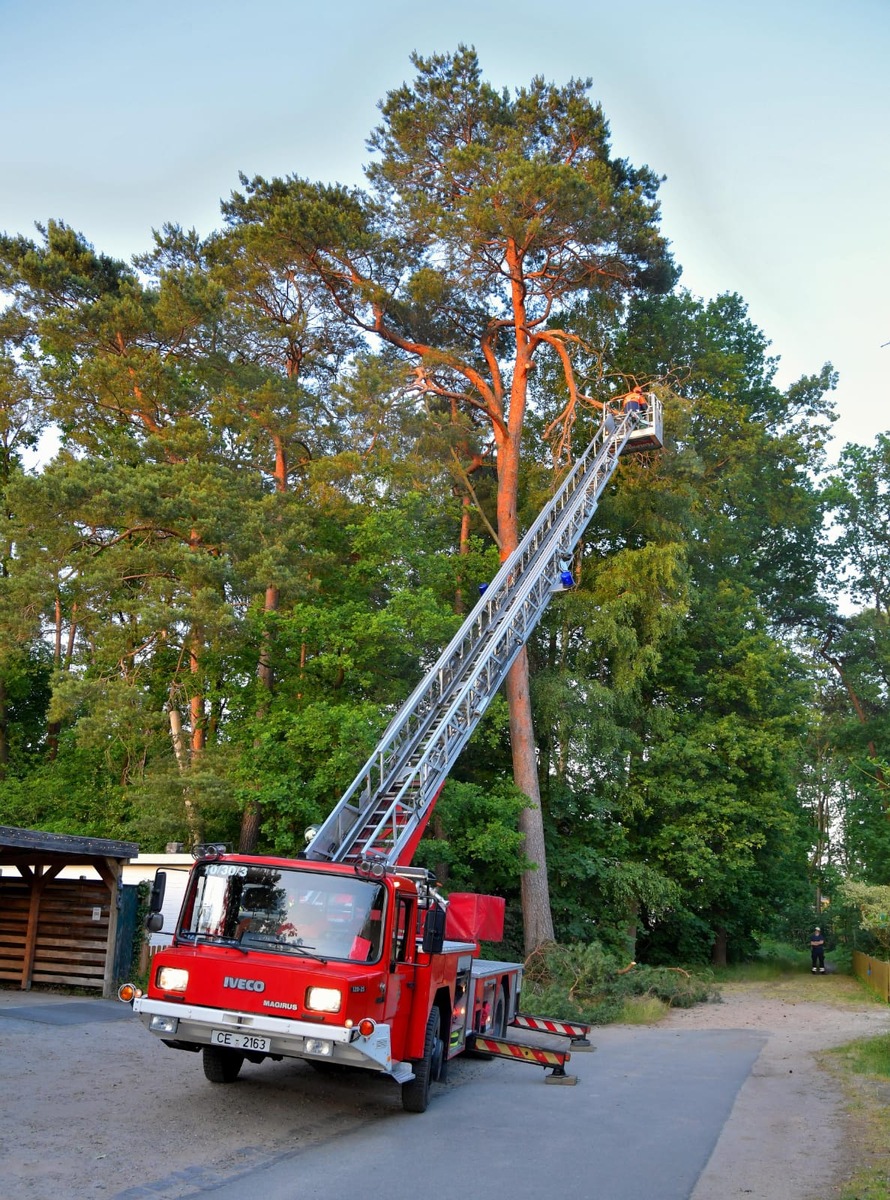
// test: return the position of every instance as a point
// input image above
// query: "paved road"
(641, 1123)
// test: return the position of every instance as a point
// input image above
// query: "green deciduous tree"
(872, 905)
(693, 705)
(856, 647)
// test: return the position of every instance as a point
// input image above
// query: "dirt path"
(787, 1133)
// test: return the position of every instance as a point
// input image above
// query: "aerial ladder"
(381, 817)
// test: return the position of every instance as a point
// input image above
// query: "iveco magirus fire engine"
(347, 955)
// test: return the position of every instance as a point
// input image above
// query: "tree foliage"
(872, 905)
(292, 450)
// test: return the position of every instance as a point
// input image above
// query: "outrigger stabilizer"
(576, 1030)
(537, 1055)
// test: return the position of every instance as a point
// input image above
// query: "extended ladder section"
(383, 814)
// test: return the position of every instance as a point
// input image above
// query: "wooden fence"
(69, 944)
(146, 954)
(873, 972)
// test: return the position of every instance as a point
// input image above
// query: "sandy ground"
(787, 1137)
(100, 1110)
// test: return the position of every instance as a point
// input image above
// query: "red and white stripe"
(545, 1025)
(529, 1054)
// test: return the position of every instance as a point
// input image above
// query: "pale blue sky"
(769, 118)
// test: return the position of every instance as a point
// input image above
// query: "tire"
(416, 1094)
(221, 1065)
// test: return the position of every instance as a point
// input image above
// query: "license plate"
(240, 1041)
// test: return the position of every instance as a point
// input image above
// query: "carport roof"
(19, 841)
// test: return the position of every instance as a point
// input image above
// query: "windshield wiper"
(213, 939)
(288, 947)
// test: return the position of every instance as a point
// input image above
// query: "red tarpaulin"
(473, 918)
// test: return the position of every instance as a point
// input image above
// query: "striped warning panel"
(530, 1054)
(546, 1025)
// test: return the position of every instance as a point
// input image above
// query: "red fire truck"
(348, 956)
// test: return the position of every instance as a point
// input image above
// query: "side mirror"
(156, 899)
(154, 922)
(433, 930)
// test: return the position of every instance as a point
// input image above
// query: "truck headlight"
(172, 979)
(324, 999)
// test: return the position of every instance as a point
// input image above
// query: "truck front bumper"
(189, 1025)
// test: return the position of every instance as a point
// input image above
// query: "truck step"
(401, 1072)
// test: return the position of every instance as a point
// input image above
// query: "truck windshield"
(284, 911)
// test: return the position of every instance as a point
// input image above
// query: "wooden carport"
(59, 931)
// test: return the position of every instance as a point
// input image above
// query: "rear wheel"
(416, 1094)
(221, 1065)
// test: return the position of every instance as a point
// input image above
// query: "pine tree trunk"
(176, 736)
(192, 817)
(197, 715)
(460, 605)
(249, 836)
(536, 916)
(718, 950)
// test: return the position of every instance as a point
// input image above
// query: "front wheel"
(416, 1094)
(221, 1065)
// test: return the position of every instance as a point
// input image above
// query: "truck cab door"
(400, 974)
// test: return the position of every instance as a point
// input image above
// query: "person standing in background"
(817, 952)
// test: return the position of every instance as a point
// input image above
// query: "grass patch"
(642, 1010)
(757, 971)
(863, 1070)
(870, 1056)
(800, 987)
(774, 961)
